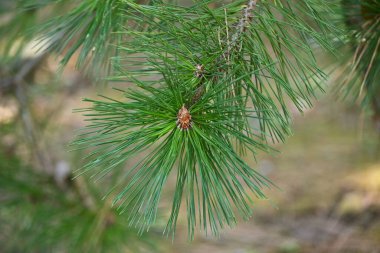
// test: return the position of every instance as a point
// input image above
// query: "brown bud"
(184, 118)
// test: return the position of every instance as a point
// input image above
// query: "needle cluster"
(226, 75)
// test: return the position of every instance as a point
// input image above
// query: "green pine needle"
(235, 68)
(210, 172)
(360, 77)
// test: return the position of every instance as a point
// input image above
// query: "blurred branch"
(27, 67)
(18, 84)
(29, 128)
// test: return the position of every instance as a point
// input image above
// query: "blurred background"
(328, 172)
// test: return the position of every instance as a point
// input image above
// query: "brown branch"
(26, 69)
(241, 27)
(232, 43)
(18, 84)
(29, 128)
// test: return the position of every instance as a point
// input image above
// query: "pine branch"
(200, 102)
(247, 16)
(359, 79)
(232, 43)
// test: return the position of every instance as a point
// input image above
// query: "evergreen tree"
(211, 86)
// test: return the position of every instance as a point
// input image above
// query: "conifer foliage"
(361, 75)
(210, 84)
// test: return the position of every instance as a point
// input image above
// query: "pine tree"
(204, 77)
(210, 86)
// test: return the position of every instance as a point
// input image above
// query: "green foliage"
(235, 68)
(86, 31)
(360, 79)
(12, 26)
(208, 166)
(37, 216)
(90, 28)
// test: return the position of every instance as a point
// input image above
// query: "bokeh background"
(328, 175)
